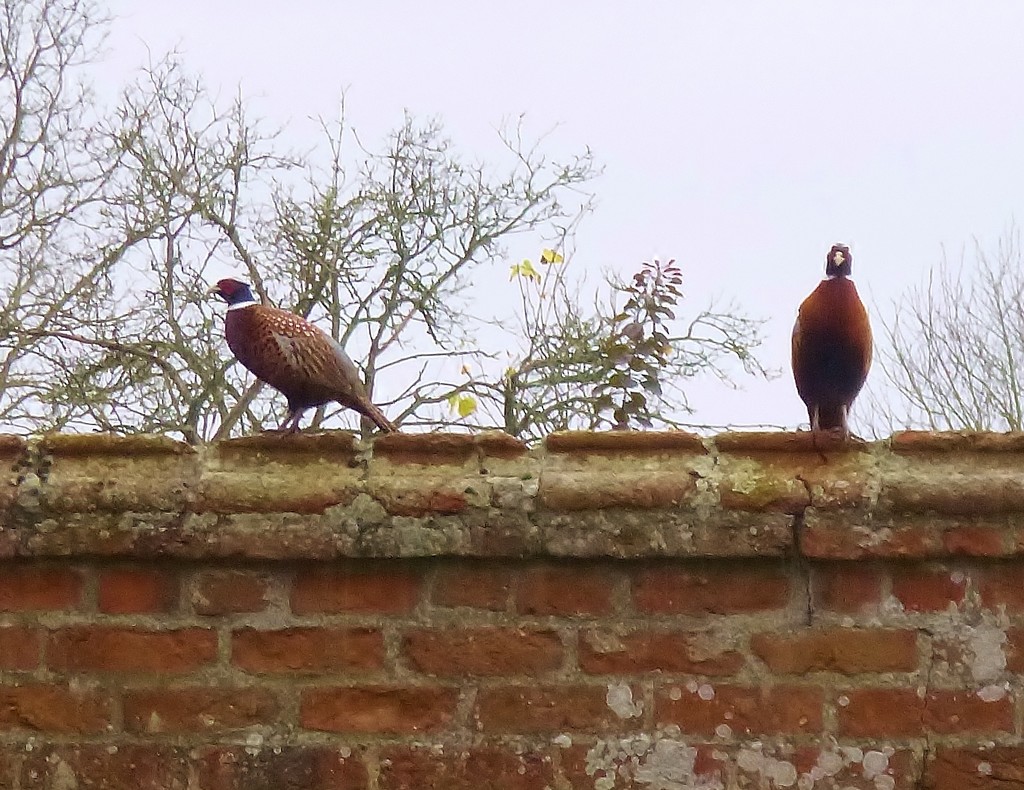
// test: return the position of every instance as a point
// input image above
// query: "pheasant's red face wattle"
(232, 291)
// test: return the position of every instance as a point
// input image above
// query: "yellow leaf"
(550, 256)
(464, 370)
(524, 269)
(463, 404)
(467, 405)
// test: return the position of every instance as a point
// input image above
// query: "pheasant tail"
(375, 414)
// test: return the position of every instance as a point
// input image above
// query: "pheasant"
(832, 346)
(295, 357)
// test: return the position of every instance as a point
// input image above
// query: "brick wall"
(643, 610)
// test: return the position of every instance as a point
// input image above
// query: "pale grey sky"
(740, 139)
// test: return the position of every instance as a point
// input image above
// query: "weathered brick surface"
(728, 711)
(1003, 585)
(39, 586)
(378, 709)
(850, 651)
(849, 588)
(477, 768)
(307, 649)
(20, 646)
(719, 588)
(54, 709)
(96, 765)
(219, 592)
(301, 473)
(559, 590)
(130, 649)
(549, 709)
(881, 713)
(618, 610)
(479, 586)
(283, 768)
(369, 589)
(197, 709)
(483, 651)
(986, 768)
(949, 712)
(928, 589)
(608, 652)
(137, 590)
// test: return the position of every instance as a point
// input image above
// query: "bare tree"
(953, 350)
(53, 176)
(114, 222)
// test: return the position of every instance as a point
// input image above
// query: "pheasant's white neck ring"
(242, 305)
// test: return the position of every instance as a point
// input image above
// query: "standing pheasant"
(295, 357)
(832, 346)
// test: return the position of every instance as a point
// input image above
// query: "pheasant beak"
(214, 290)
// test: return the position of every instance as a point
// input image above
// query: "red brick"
(846, 650)
(1015, 650)
(846, 587)
(51, 708)
(482, 651)
(881, 713)
(565, 590)
(602, 652)
(976, 541)
(137, 590)
(20, 647)
(12, 759)
(197, 709)
(544, 709)
(704, 708)
(568, 490)
(839, 542)
(98, 766)
(605, 765)
(997, 768)
(38, 587)
(922, 589)
(950, 712)
(378, 709)
(476, 586)
(1003, 585)
(281, 768)
(902, 767)
(230, 592)
(424, 497)
(109, 649)
(307, 649)
(711, 589)
(477, 768)
(384, 588)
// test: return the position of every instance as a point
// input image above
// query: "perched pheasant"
(295, 357)
(832, 346)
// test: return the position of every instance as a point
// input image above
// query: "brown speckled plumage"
(295, 357)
